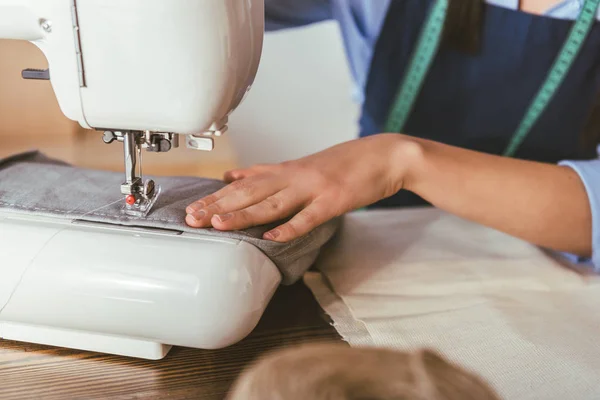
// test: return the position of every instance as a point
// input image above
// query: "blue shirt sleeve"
(589, 172)
(280, 14)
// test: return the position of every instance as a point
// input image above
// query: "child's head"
(337, 372)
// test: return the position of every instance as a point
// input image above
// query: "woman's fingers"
(276, 207)
(236, 196)
(316, 214)
(202, 203)
(230, 178)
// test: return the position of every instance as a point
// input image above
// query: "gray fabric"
(35, 184)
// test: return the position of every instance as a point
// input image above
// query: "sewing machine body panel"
(145, 72)
(23, 20)
(161, 49)
(19, 253)
(164, 288)
(129, 65)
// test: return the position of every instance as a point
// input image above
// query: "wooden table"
(37, 372)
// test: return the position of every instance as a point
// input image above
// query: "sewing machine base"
(127, 291)
(85, 341)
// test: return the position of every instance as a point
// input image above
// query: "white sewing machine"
(144, 73)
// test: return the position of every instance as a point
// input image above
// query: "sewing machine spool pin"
(140, 194)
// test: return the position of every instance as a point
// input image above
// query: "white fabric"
(527, 322)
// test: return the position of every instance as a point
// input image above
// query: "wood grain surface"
(38, 372)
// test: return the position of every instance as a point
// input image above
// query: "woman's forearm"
(544, 204)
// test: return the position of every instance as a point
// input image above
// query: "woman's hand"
(311, 190)
(544, 204)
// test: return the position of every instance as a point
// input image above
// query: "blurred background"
(301, 103)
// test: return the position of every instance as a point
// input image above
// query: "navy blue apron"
(477, 102)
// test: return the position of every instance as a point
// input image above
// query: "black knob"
(164, 145)
(159, 145)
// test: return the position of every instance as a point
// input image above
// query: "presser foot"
(140, 195)
(139, 205)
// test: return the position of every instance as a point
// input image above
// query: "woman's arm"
(544, 204)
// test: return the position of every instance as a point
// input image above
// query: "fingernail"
(198, 215)
(272, 235)
(226, 217)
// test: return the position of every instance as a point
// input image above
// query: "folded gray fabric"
(35, 184)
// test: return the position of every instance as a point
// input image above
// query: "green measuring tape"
(428, 45)
(426, 49)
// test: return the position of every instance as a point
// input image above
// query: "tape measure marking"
(425, 51)
(427, 47)
(557, 74)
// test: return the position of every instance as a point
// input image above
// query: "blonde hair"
(337, 372)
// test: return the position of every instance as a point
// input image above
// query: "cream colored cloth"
(525, 321)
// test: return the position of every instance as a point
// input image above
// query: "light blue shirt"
(361, 21)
